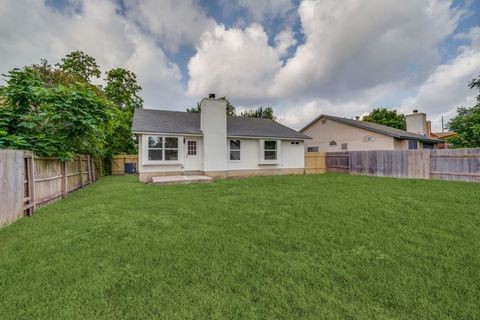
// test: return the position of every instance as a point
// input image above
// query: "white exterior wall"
(213, 123)
(146, 165)
(357, 139)
(290, 156)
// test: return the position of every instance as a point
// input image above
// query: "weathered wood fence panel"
(12, 183)
(338, 162)
(315, 162)
(455, 164)
(445, 164)
(28, 181)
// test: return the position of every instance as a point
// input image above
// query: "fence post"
(32, 182)
(89, 168)
(80, 160)
(64, 179)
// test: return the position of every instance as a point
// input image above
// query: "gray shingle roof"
(163, 121)
(392, 132)
(149, 120)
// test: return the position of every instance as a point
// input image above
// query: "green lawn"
(296, 247)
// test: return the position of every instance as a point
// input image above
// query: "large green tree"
(80, 64)
(260, 112)
(390, 118)
(57, 111)
(58, 120)
(467, 123)
(123, 90)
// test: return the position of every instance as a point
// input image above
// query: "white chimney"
(417, 122)
(213, 123)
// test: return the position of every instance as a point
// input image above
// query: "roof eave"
(167, 133)
(267, 137)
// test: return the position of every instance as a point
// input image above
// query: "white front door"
(192, 154)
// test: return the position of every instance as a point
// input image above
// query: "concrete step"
(181, 179)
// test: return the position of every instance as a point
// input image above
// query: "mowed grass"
(292, 247)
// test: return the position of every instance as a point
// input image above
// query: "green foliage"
(467, 126)
(56, 121)
(80, 64)
(196, 109)
(122, 89)
(285, 248)
(387, 117)
(260, 112)
(475, 83)
(56, 111)
(230, 108)
(467, 123)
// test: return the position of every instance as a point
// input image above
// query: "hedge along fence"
(28, 181)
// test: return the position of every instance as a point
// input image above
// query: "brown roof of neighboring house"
(443, 135)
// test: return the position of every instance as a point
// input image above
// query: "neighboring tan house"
(331, 133)
(214, 144)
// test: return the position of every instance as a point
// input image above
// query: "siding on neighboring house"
(325, 131)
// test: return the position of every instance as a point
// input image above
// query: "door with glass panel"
(192, 155)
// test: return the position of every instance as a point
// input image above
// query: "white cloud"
(298, 116)
(447, 87)
(172, 22)
(352, 45)
(97, 29)
(233, 62)
(355, 55)
(284, 40)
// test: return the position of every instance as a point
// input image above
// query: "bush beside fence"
(28, 181)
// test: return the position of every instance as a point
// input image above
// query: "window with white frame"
(162, 148)
(270, 149)
(235, 150)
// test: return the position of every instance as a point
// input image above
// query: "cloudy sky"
(303, 58)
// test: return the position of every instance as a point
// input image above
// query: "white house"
(214, 144)
(331, 133)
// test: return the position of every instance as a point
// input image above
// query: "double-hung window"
(270, 150)
(235, 150)
(162, 148)
(155, 148)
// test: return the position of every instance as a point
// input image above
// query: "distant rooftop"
(374, 127)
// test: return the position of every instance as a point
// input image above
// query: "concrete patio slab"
(181, 179)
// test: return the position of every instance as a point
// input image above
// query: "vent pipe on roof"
(211, 95)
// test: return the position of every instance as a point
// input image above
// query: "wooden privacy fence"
(444, 164)
(315, 162)
(28, 181)
(119, 161)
